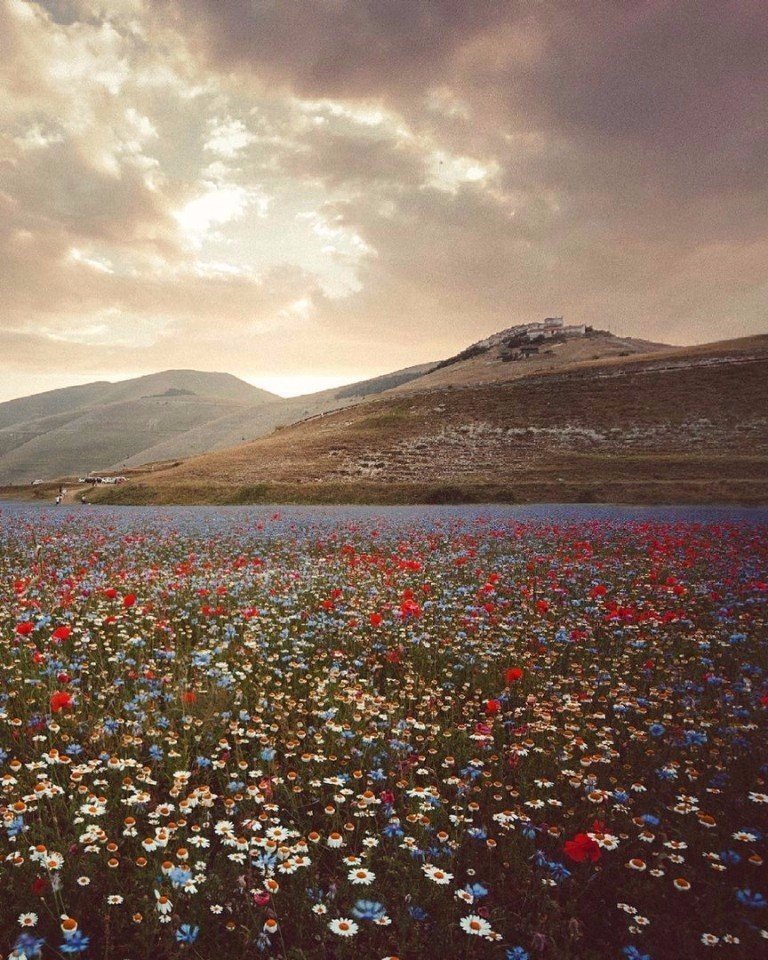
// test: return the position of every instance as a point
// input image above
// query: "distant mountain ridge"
(176, 414)
(97, 425)
(591, 419)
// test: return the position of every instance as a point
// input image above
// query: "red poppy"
(375, 619)
(61, 633)
(492, 706)
(514, 674)
(582, 848)
(25, 628)
(110, 593)
(542, 606)
(129, 599)
(189, 696)
(61, 700)
(409, 608)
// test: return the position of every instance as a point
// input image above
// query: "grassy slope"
(681, 426)
(98, 426)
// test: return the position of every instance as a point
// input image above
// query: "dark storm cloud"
(338, 48)
(663, 104)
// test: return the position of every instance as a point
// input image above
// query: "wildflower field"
(371, 734)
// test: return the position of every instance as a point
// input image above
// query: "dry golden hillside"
(685, 424)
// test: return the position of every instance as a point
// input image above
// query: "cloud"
(232, 182)
(338, 49)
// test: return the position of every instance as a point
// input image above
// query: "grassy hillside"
(97, 426)
(689, 424)
(178, 414)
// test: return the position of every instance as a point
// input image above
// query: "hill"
(241, 425)
(595, 419)
(177, 414)
(485, 362)
(98, 425)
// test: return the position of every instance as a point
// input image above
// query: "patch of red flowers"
(582, 848)
(61, 700)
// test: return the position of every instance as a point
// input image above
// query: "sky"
(309, 192)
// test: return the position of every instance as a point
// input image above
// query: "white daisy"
(475, 925)
(343, 927)
(436, 875)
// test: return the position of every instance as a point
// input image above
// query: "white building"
(552, 327)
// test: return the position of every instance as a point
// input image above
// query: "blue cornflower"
(187, 933)
(632, 953)
(751, 898)
(477, 890)
(179, 876)
(558, 871)
(656, 729)
(15, 827)
(695, 738)
(29, 944)
(75, 943)
(517, 953)
(368, 910)
(264, 862)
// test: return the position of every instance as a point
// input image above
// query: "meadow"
(368, 733)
